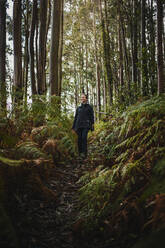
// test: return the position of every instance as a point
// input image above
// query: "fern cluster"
(133, 144)
(31, 144)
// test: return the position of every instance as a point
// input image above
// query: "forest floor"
(44, 224)
(46, 203)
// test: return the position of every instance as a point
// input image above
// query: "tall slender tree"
(26, 18)
(61, 47)
(54, 48)
(120, 45)
(17, 50)
(144, 73)
(3, 54)
(41, 82)
(97, 62)
(161, 82)
(135, 44)
(106, 48)
(31, 48)
(152, 48)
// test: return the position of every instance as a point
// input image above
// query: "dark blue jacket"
(84, 117)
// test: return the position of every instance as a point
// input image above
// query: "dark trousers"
(82, 140)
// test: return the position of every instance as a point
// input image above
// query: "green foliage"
(11, 162)
(8, 136)
(68, 144)
(64, 142)
(142, 115)
(38, 110)
(159, 169)
(134, 147)
(24, 163)
(40, 134)
(29, 150)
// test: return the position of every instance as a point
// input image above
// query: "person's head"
(84, 98)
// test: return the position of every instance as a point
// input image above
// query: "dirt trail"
(52, 224)
(49, 224)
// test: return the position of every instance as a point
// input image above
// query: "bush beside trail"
(27, 157)
(123, 196)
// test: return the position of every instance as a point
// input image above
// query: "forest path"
(50, 224)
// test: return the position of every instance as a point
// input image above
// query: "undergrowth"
(129, 183)
(31, 145)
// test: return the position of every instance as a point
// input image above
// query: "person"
(83, 122)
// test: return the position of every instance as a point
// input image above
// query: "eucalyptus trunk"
(161, 82)
(135, 45)
(106, 51)
(144, 71)
(61, 46)
(42, 48)
(98, 69)
(152, 50)
(120, 45)
(17, 50)
(26, 53)
(54, 48)
(31, 48)
(3, 54)
(36, 45)
(126, 57)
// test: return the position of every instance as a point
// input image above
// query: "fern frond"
(29, 150)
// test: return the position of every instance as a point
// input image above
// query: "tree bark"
(54, 48)
(3, 54)
(61, 47)
(49, 16)
(144, 72)
(152, 50)
(126, 57)
(17, 50)
(97, 68)
(106, 48)
(26, 53)
(120, 45)
(160, 64)
(36, 46)
(135, 45)
(31, 48)
(42, 48)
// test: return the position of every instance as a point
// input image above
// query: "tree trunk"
(3, 54)
(144, 72)
(135, 45)
(120, 45)
(31, 48)
(61, 47)
(152, 50)
(26, 53)
(82, 66)
(42, 48)
(36, 46)
(54, 48)
(49, 16)
(161, 83)
(127, 72)
(98, 90)
(17, 50)
(104, 94)
(97, 68)
(106, 48)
